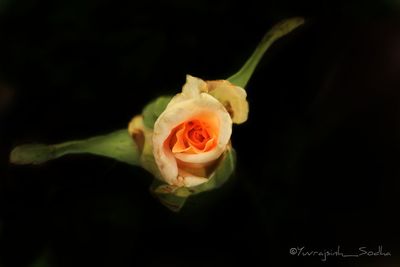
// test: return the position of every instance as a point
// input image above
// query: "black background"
(318, 160)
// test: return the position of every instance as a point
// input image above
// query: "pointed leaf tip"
(279, 30)
(31, 154)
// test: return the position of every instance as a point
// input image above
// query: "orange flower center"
(194, 136)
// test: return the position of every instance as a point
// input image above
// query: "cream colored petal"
(194, 86)
(138, 131)
(204, 157)
(205, 106)
(232, 97)
(190, 180)
(143, 137)
(136, 125)
(191, 89)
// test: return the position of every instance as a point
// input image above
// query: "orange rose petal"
(194, 137)
(210, 144)
(180, 144)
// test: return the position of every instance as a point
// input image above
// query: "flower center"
(194, 136)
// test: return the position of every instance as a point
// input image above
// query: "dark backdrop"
(318, 160)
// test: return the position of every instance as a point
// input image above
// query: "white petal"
(191, 89)
(194, 86)
(204, 157)
(190, 180)
(232, 97)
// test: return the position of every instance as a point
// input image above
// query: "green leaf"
(117, 145)
(284, 27)
(154, 109)
(174, 197)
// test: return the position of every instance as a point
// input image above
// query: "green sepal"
(279, 30)
(222, 173)
(166, 195)
(154, 109)
(174, 197)
(117, 145)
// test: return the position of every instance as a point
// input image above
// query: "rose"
(183, 141)
(193, 131)
(190, 135)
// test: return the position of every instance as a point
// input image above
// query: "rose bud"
(183, 141)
